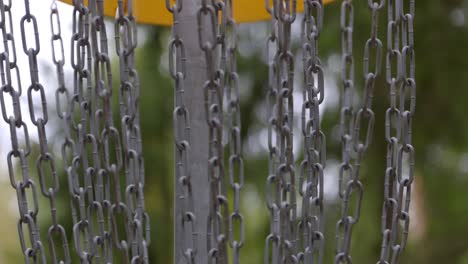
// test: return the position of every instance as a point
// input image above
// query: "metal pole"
(194, 80)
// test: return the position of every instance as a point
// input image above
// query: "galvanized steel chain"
(129, 93)
(80, 138)
(58, 58)
(354, 142)
(24, 186)
(100, 216)
(311, 225)
(346, 172)
(92, 151)
(281, 244)
(401, 79)
(392, 136)
(210, 38)
(96, 154)
(181, 119)
(272, 185)
(236, 161)
(45, 163)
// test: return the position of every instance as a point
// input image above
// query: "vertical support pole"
(193, 83)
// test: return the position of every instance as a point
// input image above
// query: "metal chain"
(311, 225)
(58, 58)
(392, 135)
(126, 43)
(351, 122)
(272, 242)
(82, 135)
(95, 156)
(400, 75)
(343, 231)
(93, 171)
(97, 205)
(101, 207)
(24, 186)
(281, 182)
(45, 162)
(236, 161)
(185, 217)
(211, 43)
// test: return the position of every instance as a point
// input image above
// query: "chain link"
(281, 181)
(400, 76)
(93, 146)
(181, 119)
(129, 93)
(211, 40)
(81, 135)
(58, 58)
(347, 115)
(311, 224)
(45, 162)
(354, 142)
(31, 244)
(236, 161)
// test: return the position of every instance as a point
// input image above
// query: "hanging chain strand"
(400, 75)
(77, 123)
(25, 187)
(354, 142)
(185, 217)
(58, 58)
(281, 179)
(210, 38)
(45, 159)
(311, 225)
(392, 124)
(272, 186)
(126, 43)
(406, 154)
(343, 228)
(103, 131)
(45, 162)
(236, 161)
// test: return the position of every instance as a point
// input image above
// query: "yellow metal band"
(155, 12)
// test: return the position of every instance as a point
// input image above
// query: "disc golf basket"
(103, 160)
